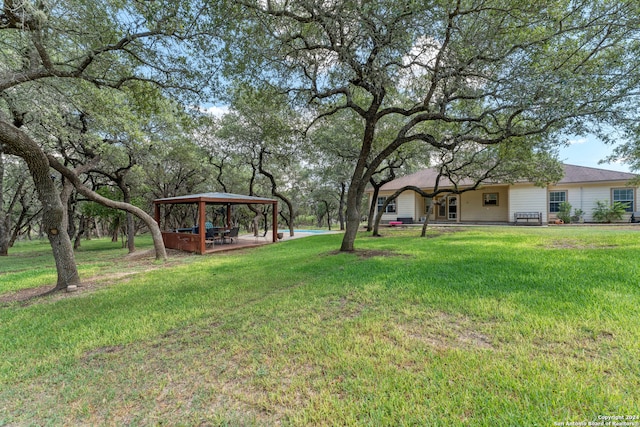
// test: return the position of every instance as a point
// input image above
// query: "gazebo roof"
(222, 198)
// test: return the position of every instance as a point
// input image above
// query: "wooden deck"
(242, 242)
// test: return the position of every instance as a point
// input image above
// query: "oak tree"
(444, 73)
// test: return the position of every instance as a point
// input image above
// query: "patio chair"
(233, 234)
(210, 236)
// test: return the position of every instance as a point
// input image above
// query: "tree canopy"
(52, 52)
(445, 73)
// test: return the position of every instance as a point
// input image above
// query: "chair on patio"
(233, 234)
(212, 235)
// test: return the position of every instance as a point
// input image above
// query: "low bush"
(605, 212)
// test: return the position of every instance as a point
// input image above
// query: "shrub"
(306, 220)
(604, 212)
(578, 216)
(565, 212)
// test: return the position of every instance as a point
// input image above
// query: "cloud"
(215, 110)
(577, 141)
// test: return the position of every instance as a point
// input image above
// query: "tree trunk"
(4, 237)
(115, 229)
(20, 144)
(4, 218)
(131, 231)
(156, 234)
(326, 206)
(361, 174)
(96, 225)
(426, 219)
(376, 190)
(65, 199)
(256, 225)
(353, 218)
(355, 193)
(274, 191)
(378, 217)
(343, 192)
(126, 197)
(81, 231)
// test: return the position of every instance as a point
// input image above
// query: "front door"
(452, 208)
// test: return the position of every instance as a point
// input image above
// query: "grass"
(478, 326)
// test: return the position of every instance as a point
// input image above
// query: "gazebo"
(195, 242)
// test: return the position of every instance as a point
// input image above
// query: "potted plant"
(578, 216)
(564, 212)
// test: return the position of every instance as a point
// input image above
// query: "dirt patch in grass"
(126, 266)
(413, 231)
(585, 346)
(370, 253)
(193, 374)
(444, 331)
(569, 244)
(102, 350)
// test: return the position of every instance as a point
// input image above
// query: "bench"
(394, 223)
(519, 217)
(405, 220)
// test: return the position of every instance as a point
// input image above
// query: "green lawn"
(512, 326)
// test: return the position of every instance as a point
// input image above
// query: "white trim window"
(555, 198)
(623, 195)
(425, 202)
(489, 199)
(391, 207)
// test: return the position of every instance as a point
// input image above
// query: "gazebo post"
(202, 213)
(275, 221)
(228, 215)
(157, 212)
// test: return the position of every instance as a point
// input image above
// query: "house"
(581, 186)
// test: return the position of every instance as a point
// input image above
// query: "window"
(425, 200)
(391, 207)
(624, 195)
(490, 199)
(555, 198)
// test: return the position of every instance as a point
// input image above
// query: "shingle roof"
(424, 178)
(572, 174)
(575, 174)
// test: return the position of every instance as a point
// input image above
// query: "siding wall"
(411, 204)
(515, 198)
(585, 197)
(471, 208)
(528, 198)
(405, 206)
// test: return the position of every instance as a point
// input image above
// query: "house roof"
(572, 175)
(577, 174)
(423, 178)
(221, 198)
